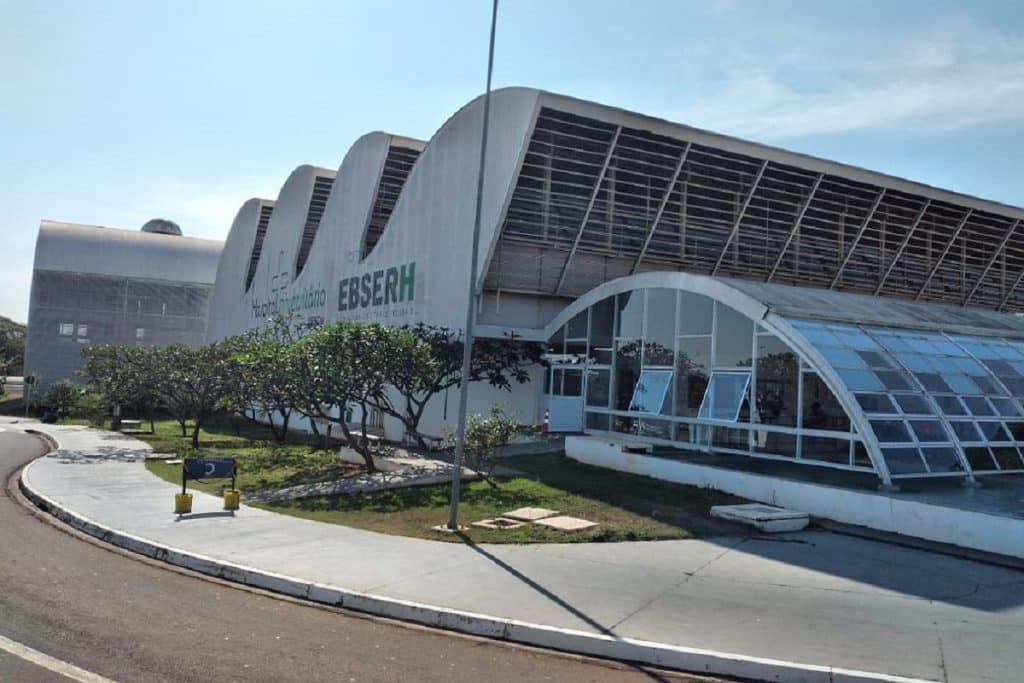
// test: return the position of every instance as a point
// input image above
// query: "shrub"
(61, 397)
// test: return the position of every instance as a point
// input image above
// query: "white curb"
(569, 640)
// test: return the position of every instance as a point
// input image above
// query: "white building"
(713, 294)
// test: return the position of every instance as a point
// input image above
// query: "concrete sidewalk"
(825, 601)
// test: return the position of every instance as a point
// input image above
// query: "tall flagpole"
(467, 349)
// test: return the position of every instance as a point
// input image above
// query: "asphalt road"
(130, 619)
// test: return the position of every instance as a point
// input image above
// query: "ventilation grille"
(397, 166)
(257, 244)
(317, 204)
(595, 190)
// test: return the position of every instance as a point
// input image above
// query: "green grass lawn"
(262, 463)
(627, 507)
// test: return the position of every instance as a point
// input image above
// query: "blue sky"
(113, 112)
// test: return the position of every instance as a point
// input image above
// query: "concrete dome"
(162, 226)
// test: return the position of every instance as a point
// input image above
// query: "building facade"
(697, 291)
(96, 285)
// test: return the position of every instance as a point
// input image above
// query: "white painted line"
(51, 663)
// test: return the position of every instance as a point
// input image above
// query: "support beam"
(796, 225)
(739, 216)
(903, 245)
(661, 207)
(590, 207)
(856, 240)
(992, 261)
(942, 257)
(1011, 290)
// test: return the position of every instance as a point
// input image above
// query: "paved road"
(130, 620)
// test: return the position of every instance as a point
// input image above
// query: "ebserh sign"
(210, 468)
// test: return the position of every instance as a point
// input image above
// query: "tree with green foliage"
(12, 347)
(496, 361)
(353, 364)
(125, 376)
(194, 383)
(62, 396)
(484, 435)
(263, 380)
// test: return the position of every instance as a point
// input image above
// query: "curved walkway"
(838, 605)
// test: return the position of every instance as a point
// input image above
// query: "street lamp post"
(467, 349)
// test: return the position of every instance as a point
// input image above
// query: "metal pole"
(467, 350)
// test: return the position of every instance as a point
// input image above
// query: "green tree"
(263, 380)
(124, 376)
(347, 364)
(62, 396)
(484, 435)
(496, 361)
(194, 383)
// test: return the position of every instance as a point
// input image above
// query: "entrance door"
(565, 399)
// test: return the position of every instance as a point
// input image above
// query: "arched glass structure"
(706, 367)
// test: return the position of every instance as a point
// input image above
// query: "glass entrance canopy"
(700, 364)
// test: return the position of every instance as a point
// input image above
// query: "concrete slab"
(566, 523)
(530, 514)
(766, 518)
(498, 523)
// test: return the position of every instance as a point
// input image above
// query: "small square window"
(140, 333)
(67, 329)
(83, 330)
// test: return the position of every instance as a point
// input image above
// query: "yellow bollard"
(231, 499)
(182, 503)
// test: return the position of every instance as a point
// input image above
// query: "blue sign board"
(210, 468)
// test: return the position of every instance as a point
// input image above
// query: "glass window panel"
(775, 443)
(725, 395)
(820, 408)
(932, 381)
(968, 365)
(1000, 367)
(627, 372)
(962, 384)
(965, 431)
(602, 322)
(928, 430)
(660, 333)
(978, 405)
(950, 405)
(856, 339)
(556, 344)
(577, 328)
(894, 380)
(624, 425)
(1007, 457)
(903, 460)
(650, 392)
(821, 337)
(658, 429)
(598, 387)
(942, 459)
(575, 351)
(859, 380)
(1016, 430)
(889, 431)
(1005, 407)
(572, 383)
(597, 421)
(947, 348)
(1014, 384)
(1018, 366)
(827, 450)
(979, 458)
(916, 362)
(913, 404)
(842, 358)
(875, 403)
(631, 313)
(778, 381)
(987, 385)
(993, 431)
(693, 368)
(876, 359)
(694, 313)
(734, 341)
(860, 455)
(727, 437)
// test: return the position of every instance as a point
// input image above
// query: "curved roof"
(68, 247)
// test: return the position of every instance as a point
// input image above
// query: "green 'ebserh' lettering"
(407, 282)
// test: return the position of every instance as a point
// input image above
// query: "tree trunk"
(184, 428)
(286, 416)
(195, 433)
